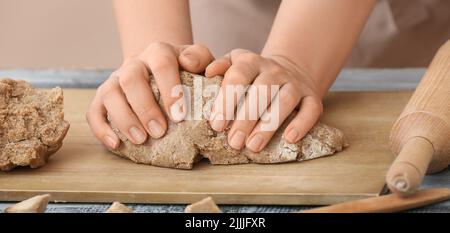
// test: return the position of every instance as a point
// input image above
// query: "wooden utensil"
(421, 135)
(387, 203)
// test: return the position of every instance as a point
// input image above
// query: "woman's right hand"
(126, 96)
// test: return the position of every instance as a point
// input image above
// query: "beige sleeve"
(399, 33)
(402, 33)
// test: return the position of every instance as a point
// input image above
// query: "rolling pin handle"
(406, 173)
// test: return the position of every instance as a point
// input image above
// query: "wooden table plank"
(83, 171)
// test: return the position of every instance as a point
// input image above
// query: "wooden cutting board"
(83, 171)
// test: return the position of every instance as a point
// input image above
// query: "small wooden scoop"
(387, 203)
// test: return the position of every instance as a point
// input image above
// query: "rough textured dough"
(118, 207)
(36, 204)
(32, 124)
(206, 205)
(191, 140)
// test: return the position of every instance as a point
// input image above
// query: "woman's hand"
(296, 88)
(128, 99)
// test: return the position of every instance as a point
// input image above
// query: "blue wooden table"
(348, 80)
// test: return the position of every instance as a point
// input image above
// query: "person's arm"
(318, 35)
(156, 40)
(142, 22)
(308, 45)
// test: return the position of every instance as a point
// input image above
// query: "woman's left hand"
(250, 127)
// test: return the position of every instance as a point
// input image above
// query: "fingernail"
(255, 143)
(237, 140)
(292, 135)
(138, 135)
(177, 111)
(156, 130)
(218, 122)
(110, 142)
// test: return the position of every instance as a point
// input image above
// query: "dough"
(191, 140)
(118, 207)
(36, 204)
(206, 205)
(32, 124)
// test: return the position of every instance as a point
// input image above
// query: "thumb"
(195, 58)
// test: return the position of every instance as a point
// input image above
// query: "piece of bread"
(118, 207)
(191, 140)
(36, 204)
(206, 205)
(32, 125)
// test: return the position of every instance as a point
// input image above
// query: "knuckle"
(157, 46)
(126, 81)
(199, 47)
(277, 71)
(238, 51)
(206, 52)
(109, 85)
(264, 80)
(135, 67)
(129, 120)
(287, 98)
(107, 94)
(234, 76)
(105, 89)
(161, 63)
(147, 110)
(313, 104)
(317, 104)
(247, 58)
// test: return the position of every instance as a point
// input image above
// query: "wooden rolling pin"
(388, 203)
(421, 135)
